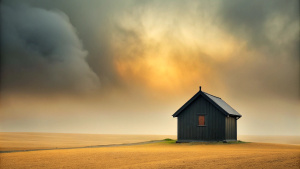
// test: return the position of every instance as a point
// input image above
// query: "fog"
(124, 67)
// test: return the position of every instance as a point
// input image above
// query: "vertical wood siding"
(231, 128)
(188, 120)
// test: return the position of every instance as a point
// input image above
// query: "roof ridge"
(212, 95)
(224, 108)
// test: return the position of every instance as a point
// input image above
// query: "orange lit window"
(201, 120)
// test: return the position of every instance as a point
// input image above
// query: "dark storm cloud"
(270, 30)
(268, 61)
(41, 52)
(94, 21)
(254, 20)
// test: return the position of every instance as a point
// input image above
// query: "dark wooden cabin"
(206, 118)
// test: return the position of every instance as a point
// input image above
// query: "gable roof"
(216, 101)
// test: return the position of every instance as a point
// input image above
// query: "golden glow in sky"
(165, 58)
(114, 66)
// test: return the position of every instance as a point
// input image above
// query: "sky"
(124, 67)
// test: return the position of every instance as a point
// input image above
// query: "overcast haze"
(124, 67)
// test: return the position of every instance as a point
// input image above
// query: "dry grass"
(157, 155)
(25, 141)
(271, 139)
(161, 155)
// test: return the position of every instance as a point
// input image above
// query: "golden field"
(271, 139)
(25, 141)
(159, 155)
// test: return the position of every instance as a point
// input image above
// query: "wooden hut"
(206, 118)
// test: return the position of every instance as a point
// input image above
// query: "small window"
(201, 120)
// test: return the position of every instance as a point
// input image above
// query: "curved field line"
(95, 146)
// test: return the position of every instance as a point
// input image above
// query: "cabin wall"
(231, 128)
(188, 129)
